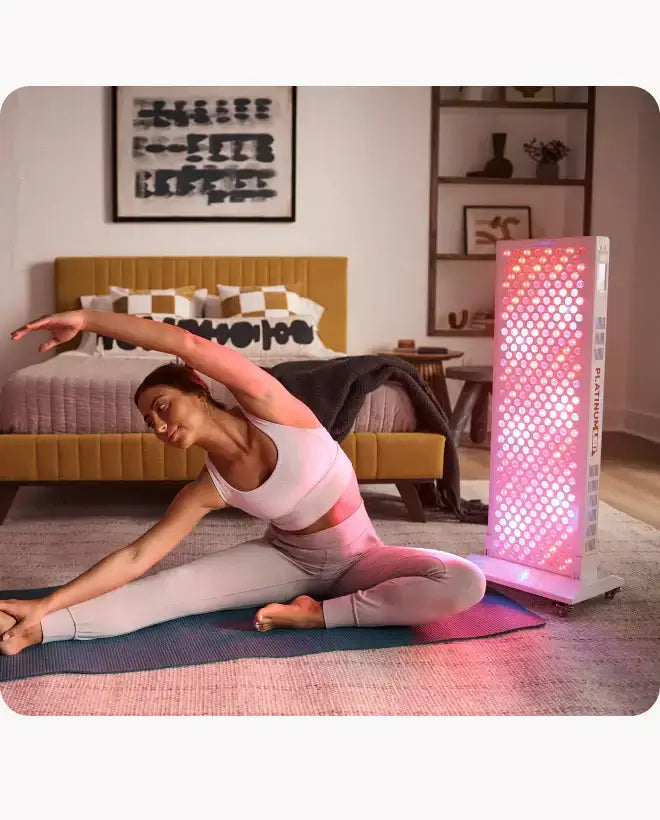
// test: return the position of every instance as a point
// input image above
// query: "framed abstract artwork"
(203, 153)
(485, 224)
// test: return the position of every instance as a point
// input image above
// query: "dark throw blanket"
(335, 389)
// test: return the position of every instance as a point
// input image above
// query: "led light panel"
(548, 377)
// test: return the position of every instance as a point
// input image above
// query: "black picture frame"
(119, 213)
(489, 249)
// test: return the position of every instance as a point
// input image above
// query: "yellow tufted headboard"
(323, 278)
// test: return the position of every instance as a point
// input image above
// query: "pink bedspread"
(80, 393)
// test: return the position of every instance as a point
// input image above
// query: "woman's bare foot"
(302, 613)
(16, 645)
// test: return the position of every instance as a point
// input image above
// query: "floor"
(630, 473)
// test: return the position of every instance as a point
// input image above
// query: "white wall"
(615, 195)
(9, 360)
(626, 207)
(362, 192)
(643, 385)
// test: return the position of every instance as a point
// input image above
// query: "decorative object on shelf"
(203, 153)
(547, 156)
(484, 319)
(453, 320)
(498, 167)
(406, 344)
(485, 224)
(530, 93)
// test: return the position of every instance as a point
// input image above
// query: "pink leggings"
(363, 581)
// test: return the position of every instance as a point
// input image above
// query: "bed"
(70, 418)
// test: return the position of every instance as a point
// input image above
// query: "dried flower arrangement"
(546, 152)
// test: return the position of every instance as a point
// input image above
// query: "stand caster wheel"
(611, 593)
(563, 609)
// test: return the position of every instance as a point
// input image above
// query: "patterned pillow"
(89, 341)
(184, 301)
(261, 300)
(257, 338)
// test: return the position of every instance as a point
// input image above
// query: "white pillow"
(256, 337)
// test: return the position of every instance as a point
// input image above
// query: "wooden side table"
(472, 403)
(431, 370)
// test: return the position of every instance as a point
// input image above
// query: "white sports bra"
(311, 473)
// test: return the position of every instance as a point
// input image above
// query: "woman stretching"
(270, 457)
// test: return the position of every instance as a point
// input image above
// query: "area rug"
(603, 659)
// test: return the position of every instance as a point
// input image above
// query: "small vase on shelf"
(547, 171)
(546, 155)
(498, 166)
(458, 324)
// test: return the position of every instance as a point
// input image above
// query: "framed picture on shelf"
(485, 224)
(203, 153)
(530, 93)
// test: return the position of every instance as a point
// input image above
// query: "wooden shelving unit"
(574, 106)
(439, 256)
(465, 257)
(511, 181)
(470, 331)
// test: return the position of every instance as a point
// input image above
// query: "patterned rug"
(603, 659)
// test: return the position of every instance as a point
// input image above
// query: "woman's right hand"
(28, 613)
(62, 326)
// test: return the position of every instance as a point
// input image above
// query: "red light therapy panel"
(548, 368)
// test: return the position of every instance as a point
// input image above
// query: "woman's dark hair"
(182, 377)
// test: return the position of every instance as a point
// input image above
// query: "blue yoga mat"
(228, 635)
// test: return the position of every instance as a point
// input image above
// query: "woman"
(270, 457)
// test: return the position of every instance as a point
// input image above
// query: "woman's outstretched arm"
(190, 505)
(132, 329)
(228, 366)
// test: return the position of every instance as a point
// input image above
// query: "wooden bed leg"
(8, 492)
(408, 491)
